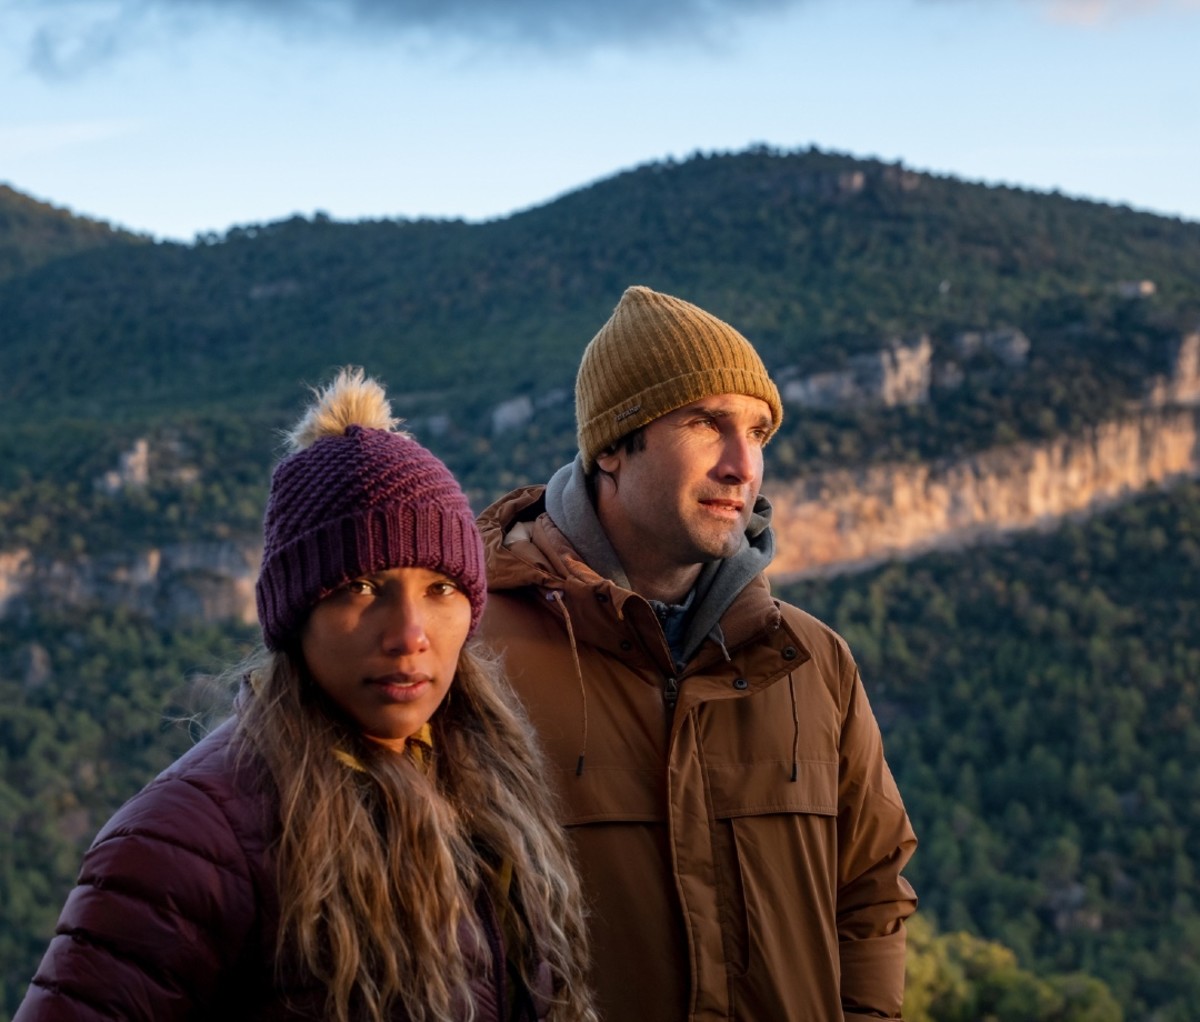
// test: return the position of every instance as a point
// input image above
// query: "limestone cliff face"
(831, 522)
(176, 583)
(1181, 386)
(899, 374)
(15, 568)
(184, 582)
(847, 519)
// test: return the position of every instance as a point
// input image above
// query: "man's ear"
(608, 461)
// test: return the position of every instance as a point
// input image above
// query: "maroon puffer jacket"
(175, 913)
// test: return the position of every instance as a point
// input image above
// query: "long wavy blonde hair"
(381, 864)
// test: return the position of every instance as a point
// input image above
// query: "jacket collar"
(569, 504)
(526, 547)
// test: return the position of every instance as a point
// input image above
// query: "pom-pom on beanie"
(357, 496)
(655, 354)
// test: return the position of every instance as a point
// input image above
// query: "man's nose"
(741, 459)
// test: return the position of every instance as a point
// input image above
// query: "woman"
(368, 837)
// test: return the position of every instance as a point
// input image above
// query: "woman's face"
(384, 647)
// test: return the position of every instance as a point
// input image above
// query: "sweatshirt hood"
(570, 507)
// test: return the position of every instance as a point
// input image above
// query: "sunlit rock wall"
(851, 518)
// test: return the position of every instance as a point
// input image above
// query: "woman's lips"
(401, 688)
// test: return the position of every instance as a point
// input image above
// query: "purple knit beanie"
(356, 497)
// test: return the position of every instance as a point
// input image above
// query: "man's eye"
(445, 588)
(359, 587)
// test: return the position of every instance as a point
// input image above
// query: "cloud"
(18, 141)
(1103, 12)
(555, 21)
(56, 51)
(70, 37)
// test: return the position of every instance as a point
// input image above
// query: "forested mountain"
(33, 233)
(819, 258)
(1037, 697)
(815, 256)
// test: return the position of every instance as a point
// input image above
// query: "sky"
(178, 118)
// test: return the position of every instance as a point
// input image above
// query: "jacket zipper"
(671, 692)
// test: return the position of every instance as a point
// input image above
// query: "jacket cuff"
(873, 977)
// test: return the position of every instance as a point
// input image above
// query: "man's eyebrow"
(703, 407)
(721, 412)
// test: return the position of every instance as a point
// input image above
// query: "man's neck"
(667, 586)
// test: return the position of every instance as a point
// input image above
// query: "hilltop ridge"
(815, 256)
(33, 233)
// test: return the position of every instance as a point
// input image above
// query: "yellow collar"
(418, 746)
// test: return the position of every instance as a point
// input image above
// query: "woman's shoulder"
(170, 896)
(212, 803)
(215, 765)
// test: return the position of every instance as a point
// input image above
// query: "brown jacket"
(742, 853)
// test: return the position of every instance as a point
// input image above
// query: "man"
(720, 771)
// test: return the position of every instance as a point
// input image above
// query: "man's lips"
(723, 505)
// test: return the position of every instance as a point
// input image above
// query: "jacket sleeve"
(875, 840)
(160, 912)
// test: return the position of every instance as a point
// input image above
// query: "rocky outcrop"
(1008, 345)
(163, 462)
(853, 518)
(899, 374)
(519, 411)
(132, 471)
(16, 567)
(903, 371)
(184, 582)
(1181, 385)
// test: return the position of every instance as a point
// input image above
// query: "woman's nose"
(405, 632)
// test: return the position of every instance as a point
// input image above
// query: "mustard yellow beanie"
(655, 354)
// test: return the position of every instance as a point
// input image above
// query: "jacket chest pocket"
(761, 787)
(775, 857)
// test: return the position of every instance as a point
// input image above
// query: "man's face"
(687, 498)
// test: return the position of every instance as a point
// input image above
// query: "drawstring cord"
(795, 728)
(557, 595)
(718, 636)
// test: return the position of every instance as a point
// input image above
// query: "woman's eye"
(445, 588)
(359, 587)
